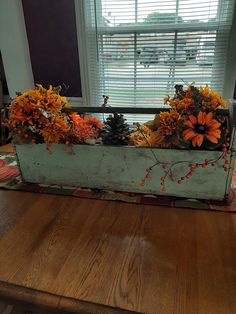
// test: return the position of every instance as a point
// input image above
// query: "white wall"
(14, 47)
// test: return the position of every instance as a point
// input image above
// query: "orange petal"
(208, 118)
(214, 125)
(215, 133)
(189, 124)
(193, 119)
(201, 117)
(199, 139)
(212, 138)
(194, 141)
(189, 134)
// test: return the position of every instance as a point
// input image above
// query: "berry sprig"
(226, 153)
(223, 133)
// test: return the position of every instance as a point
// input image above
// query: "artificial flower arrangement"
(193, 122)
(43, 116)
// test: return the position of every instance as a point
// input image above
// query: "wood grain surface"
(6, 148)
(93, 256)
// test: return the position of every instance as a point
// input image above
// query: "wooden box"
(122, 169)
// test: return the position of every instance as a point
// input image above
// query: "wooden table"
(91, 256)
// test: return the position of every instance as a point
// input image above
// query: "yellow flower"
(141, 137)
(211, 100)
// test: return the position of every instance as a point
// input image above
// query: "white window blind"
(139, 49)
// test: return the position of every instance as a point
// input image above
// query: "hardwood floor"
(91, 256)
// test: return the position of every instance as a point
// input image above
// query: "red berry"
(192, 169)
(142, 183)
(162, 178)
(203, 165)
(179, 181)
(226, 162)
(226, 169)
(188, 176)
(163, 189)
(206, 161)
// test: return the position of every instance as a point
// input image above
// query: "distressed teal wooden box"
(122, 169)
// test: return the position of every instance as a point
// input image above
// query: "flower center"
(199, 128)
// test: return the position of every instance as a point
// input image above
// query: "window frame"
(80, 5)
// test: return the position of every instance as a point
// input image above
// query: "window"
(137, 50)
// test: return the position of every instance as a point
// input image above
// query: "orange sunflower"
(201, 127)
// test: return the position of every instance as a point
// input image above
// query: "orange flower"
(168, 122)
(75, 117)
(211, 100)
(185, 101)
(141, 137)
(184, 105)
(27, 108)
(84, 128)
(54, 130)
(157, 139)
(94, 123)
(204, 126)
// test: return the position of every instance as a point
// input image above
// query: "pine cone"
(116, 131)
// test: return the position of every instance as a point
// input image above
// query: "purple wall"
(51, 32)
